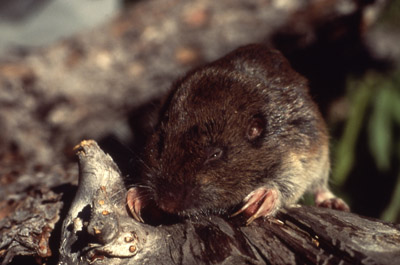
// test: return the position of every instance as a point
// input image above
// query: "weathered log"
(27, 233)
(98, 230)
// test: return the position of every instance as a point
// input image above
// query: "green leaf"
(345, 150)
(379, 126)
(396, 103)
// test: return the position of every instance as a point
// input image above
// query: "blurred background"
(34, 23)
(354, 76)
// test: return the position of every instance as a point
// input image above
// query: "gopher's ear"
(255, 128)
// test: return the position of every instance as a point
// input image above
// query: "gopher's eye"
(213, 154)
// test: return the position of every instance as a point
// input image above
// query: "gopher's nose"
(171, 202)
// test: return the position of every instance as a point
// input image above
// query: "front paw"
(262, 202)
(135, 203)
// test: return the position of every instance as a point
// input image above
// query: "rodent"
(242, 131)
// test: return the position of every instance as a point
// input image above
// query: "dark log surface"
(86, 87)
(98, 230)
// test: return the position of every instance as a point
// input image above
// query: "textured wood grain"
(106, 234)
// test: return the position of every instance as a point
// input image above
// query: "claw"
(267, 206)
(134, 203)
(253, 197)
(261, 202)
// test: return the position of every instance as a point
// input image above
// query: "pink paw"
(261, 202)
(134, 203)
(325, 198)
(334, 203)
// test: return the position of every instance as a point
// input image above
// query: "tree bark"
(98, 230)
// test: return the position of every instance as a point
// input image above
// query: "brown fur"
(202, 158)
